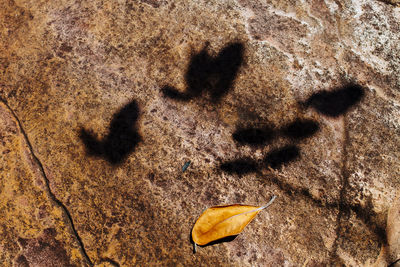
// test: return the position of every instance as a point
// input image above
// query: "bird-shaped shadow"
(207, 74)
(121, 140)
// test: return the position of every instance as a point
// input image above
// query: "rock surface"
(103, 102)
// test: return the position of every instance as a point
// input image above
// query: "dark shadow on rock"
(219, 241)
(171, 92)
(121, 140)
(364, 213)
(393, 264)
(257, 137)
(281, 156)
(253, 136)
(300, 129)
(207, 74)
(222, 240)
(191, 241)
(240, 166)
(337, 102)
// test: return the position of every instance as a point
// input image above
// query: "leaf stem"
(269, 203)
(251, 211)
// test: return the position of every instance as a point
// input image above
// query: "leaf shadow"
(122, 139)
(281, 156)
(254, 136)
(222, 240)
(213, 75)
(300, 129)
(215, 242)
(336, 102)
(240, 166)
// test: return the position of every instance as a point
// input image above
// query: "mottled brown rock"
(42, 251)
(32, 229)
(390, 252)
(73, 65)
(393, 2)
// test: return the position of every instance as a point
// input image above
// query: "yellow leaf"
(222, 221)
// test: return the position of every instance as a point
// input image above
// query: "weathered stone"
(33, 230)
(72, 72)
(393, 2)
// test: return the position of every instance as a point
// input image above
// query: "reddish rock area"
(103, 102)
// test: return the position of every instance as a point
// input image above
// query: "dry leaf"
(222, 221)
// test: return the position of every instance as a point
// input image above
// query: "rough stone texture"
(393, 2)
(33, 231)
(72, 65)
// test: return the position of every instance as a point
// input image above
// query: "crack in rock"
(50, 194)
